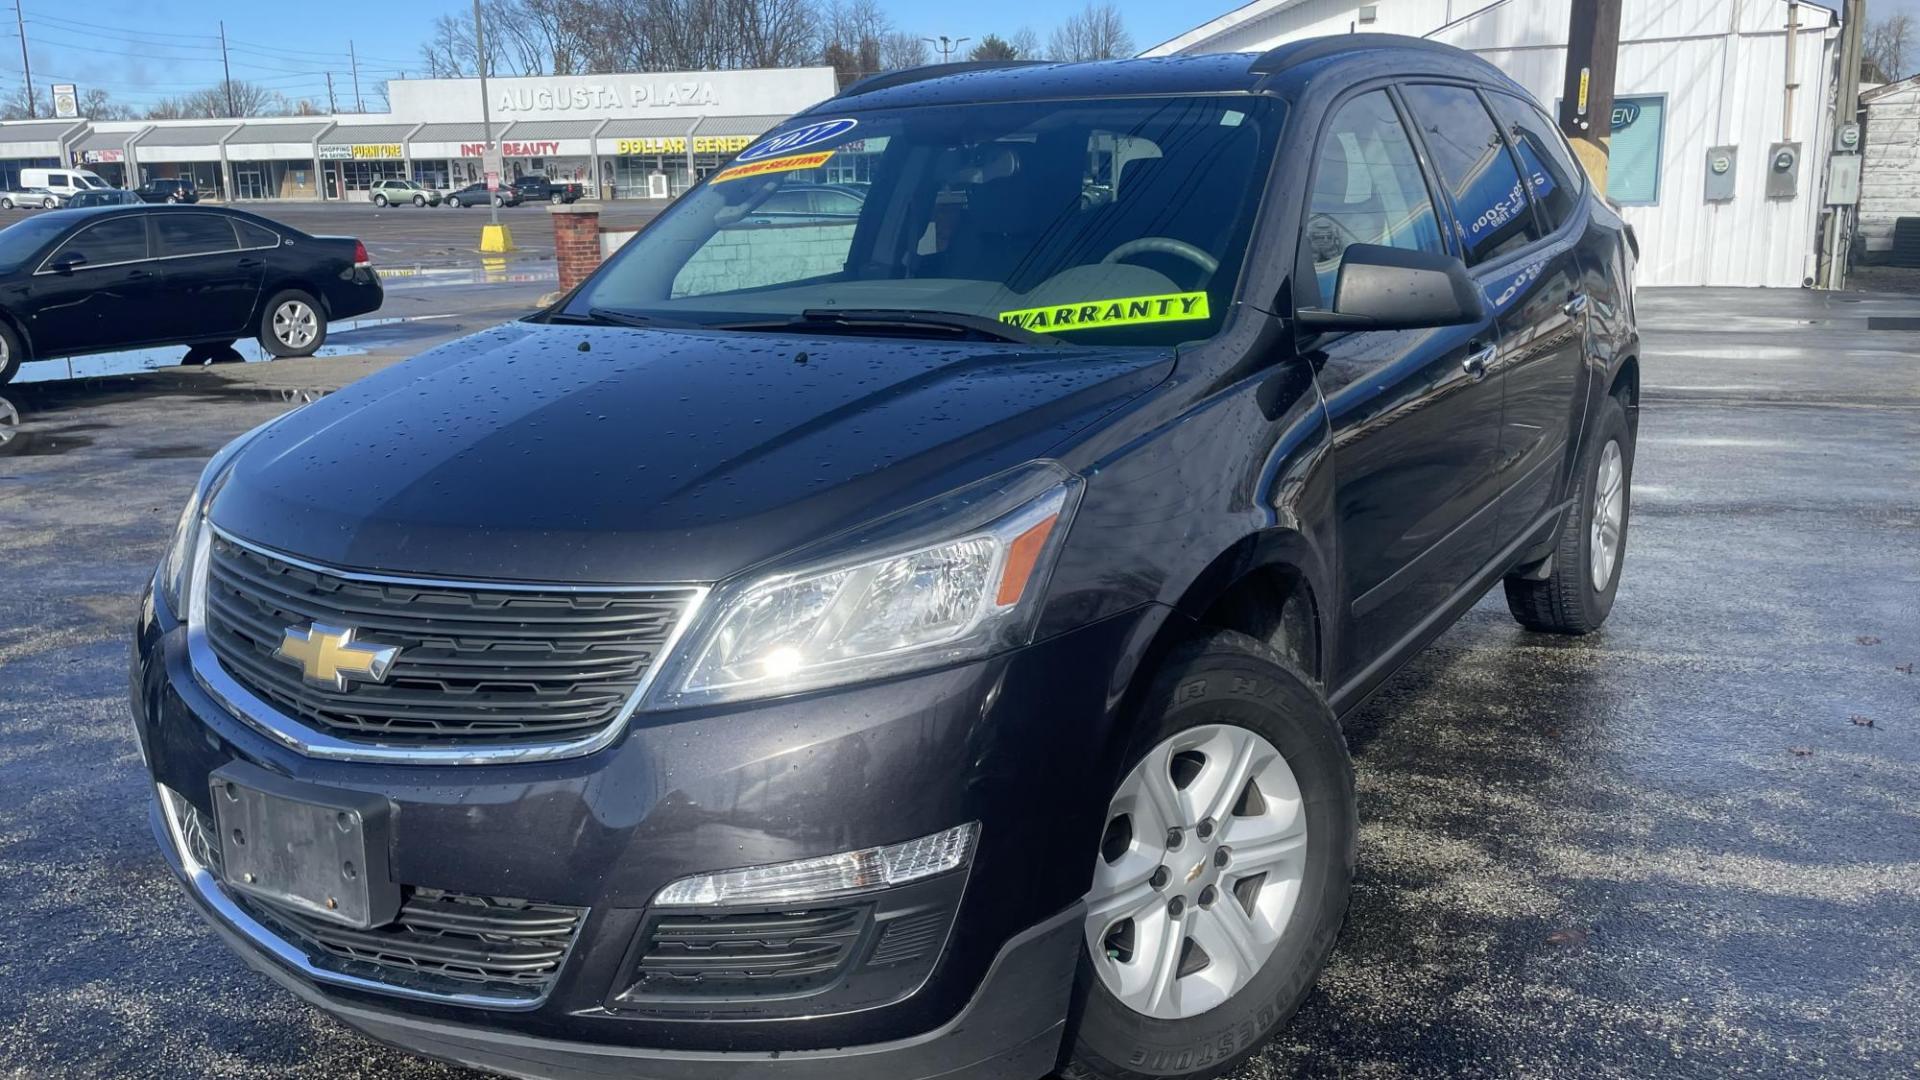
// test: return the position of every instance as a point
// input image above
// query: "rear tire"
(499, 200)
(380, 200)
(1265, 762)
(12, 353)
(6, 204)
(1577, 596)
(292, 324)
(47, 204)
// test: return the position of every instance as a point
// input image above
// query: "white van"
(61, 181)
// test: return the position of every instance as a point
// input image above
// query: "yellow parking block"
(495, 238)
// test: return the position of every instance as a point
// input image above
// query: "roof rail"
(889, 79)
(1281, 57)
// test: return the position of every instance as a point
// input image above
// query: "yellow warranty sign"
(790, 163)
(1100, 314)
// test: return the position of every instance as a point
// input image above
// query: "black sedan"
(124, 277)
(103, 197)
(478, 195)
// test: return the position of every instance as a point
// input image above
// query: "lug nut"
(1176, 907)
(1222, 856)
(1206, 829)
(1160, 878)
(1174, 839)
(1207, 896)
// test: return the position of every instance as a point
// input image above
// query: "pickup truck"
(535, 187)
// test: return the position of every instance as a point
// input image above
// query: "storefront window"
(633, 176)
(360, 175)
(434, 174)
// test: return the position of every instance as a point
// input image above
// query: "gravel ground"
(1686, 846)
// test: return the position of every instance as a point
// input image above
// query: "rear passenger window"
(1367, 189)
(193, 234)
(1489, 201)
(1553, 177)
(257, 236)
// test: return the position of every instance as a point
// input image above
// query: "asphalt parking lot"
(1686, 846)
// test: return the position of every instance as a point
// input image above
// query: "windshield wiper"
(601, 316)
(910, 319)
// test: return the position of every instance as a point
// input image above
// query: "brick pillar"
(576, 241)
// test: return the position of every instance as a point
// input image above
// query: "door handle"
(1475, 365)
(248, 264)
(1576, 306)
(139, 275)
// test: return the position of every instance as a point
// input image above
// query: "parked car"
(103, 197)
(917, 648)
(32, 198)
(478, 195)
(124, 277)
(800, 204)
(168, 191)
(389, 192)
(535, 187)
(66, 182)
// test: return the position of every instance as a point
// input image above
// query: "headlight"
(177, 565)
(917, 606)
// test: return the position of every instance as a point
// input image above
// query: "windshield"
(1118, 222)
(92, 181)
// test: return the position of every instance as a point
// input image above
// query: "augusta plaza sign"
(773, 92)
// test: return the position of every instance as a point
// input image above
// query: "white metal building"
(1890, 173)
(1694, 75)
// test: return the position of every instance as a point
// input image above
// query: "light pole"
(948, 46)
(486, 116)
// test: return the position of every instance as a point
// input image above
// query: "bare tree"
(903, 50)
(1889, 40)
(246, 99)
(15, 106)
(850, 38)
(1096, 33)
(1026, 45)
(97, 104)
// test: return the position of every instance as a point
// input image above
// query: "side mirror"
(66, 264)
(1385, 288)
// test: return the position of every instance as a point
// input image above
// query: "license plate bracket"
(319, 850)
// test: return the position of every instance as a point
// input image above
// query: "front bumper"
(1004, 742)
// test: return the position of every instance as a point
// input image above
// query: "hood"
(605, 454)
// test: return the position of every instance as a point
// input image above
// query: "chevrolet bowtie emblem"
(327, 656)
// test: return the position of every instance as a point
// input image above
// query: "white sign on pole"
(66, 101)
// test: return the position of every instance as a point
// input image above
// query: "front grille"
(761, 952)
(440, 942)
(477, 665)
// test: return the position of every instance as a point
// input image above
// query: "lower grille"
(441, 942)
(778, 952)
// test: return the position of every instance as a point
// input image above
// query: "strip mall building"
(623, 136)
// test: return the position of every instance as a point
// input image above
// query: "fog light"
(828, 875)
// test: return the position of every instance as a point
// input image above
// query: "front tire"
(47, 204)
(292, 324)
(1577, 595)
(499, 200)
(380, 201)
(453, 201)
(11, 354)
(1223, 870)
(6, 204)
(419, 200)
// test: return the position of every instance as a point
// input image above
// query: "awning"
(190, 143)
(276, 142)
(102, 147)
(453, 140)
(36, 139)
(549, 138)
(365, 142)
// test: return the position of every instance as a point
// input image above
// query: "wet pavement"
(1688, 845)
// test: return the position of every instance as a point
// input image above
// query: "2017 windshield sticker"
(799, 139)
(772, 165)
(1100, 314)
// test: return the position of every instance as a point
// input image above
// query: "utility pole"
(25, 66)
(358, 106)
(1586, 109)
(1838, 239)
(232, 108)
(486, 118)
(332, 106)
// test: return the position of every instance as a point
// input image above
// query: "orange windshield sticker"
(769, 166)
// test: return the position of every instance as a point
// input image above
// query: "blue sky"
(140, 51)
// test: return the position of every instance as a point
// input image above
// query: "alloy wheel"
(295, 324)
(1609, 514)
(1199, 872)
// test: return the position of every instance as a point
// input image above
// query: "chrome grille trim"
(306, 739)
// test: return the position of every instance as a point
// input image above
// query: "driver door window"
(1368, 188)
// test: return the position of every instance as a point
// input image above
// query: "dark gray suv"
(909, 643)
